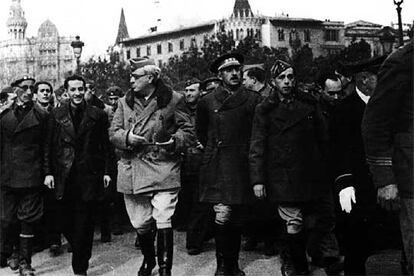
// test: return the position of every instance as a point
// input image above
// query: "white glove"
(345, 197)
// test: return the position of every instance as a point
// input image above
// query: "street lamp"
(77, 45)
(400, 30)
(387, 39)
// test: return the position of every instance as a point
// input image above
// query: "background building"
(281, 32)
(47, 57)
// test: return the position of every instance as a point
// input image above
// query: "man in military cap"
(288, 160)
(223, 126)
(209, 84)
(151, 128)
(254, 78)
(22, 132)
(387, 130)
(352, 179)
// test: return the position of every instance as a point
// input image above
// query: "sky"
(96, 21)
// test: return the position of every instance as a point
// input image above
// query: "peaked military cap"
(22, 79)
(248, 67)
(226, 60)
(114, 91)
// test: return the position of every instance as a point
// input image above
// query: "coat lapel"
(230, 102)
(145, 114)
(63, 117)
(29, 121)
(298, 114)
(88, 120)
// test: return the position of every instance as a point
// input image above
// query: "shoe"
(193, 251)
(250, 244)
(136, 244)
(55, 250)
(26, 269)
(3, 261)
(106, 237)
(269, 249)
(13, 261)
(69, 248)
(294, 261)
(117, 230)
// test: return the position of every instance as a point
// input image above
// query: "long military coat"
(149, 168)
(21, 148)
(84, 156)
(288, 150)
(224, 128)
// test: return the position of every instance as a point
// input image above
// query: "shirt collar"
(363, 97)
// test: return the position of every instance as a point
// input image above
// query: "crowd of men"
(321, 176)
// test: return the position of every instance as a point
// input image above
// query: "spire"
(242, 9)
(16, 23)
(122, 29)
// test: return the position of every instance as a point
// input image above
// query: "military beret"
(137, 63)
(367, 65)
(22, 79)
(226, 60)
(114, 91)
(279, 66)
(248, 67)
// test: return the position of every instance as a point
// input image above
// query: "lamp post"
(400, 30)
(77, 46)
(387, 39)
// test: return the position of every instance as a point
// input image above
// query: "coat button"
(215, 110)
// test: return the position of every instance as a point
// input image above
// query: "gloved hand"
(346, 197)
(388, 197)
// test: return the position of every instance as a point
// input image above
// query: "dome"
(47, 29)
(16, 15)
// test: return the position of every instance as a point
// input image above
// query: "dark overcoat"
(348, 155)
(388, 123)
(21, 148)
(89, 145)
(224, 127)
(288, 150)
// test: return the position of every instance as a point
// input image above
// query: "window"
(307, 36)
(148, 50)
(182, 44)
(193, 42)
(331, 35)
(170, 47)
(160, 63)
(159, 49)
(128, 54)
(281, 35)
(138, 51)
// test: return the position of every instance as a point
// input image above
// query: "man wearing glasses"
(22, 132)
(151, 128)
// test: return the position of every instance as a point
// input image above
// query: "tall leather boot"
(147, 248)
(220, 240)
(294, 261)
(165, 251)
(234, 249)
(25, 268)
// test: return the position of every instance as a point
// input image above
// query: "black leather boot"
(165, 251)
(220, 239)
(25, 268)
(294, 261)
(234, 249)
(147, 248)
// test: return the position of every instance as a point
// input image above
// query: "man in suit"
(77, 166)
(22, 131)
(388, 135)
(352, 179)
(223, 125)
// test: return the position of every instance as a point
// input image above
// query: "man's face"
(248, 82)
(192, 93)
(76, 92)
(285, 81)
(113, 100)
(139, 80)
(333, 90)
(90, 91)
(27, 86)
(44, 93)
(231, 76)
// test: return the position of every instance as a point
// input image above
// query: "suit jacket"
(388, 123)
(224, 128)
(21, 148)
(79, 158)
(348, 155)
(288, 149)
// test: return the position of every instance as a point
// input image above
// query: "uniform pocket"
(124, 180)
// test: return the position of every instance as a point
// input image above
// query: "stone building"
(283, 32)
(47, 57)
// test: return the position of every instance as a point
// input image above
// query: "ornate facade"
(47, 57)
(323, 37)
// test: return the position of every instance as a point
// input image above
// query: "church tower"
(16, 24)
(243, 23)
(122, 29)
